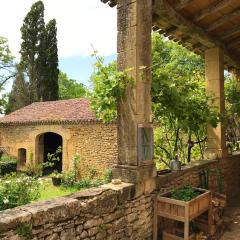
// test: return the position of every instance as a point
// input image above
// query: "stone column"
(134, 110)
(214, 72)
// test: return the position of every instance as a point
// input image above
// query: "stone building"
(40, 128)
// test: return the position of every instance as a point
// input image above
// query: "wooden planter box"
(171, 235)
(184, 211)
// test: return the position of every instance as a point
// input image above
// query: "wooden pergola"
(208, 27)
(199, 25)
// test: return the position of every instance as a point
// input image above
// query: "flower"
(5, 201)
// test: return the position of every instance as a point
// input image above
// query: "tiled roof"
(63, 111)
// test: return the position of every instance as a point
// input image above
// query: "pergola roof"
(199, 25)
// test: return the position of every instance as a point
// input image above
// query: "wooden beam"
(229, 32)
(182, 4)
(234, 42)
(171, 30)
(165, 11)
(212, 8)
(224, 19)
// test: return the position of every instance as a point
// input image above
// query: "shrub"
(7, 165)
(17, 190)
(108, 175)
(31, 168)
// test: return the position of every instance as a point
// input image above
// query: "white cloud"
(80, 23)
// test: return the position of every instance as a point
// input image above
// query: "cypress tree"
(50, 84)
(32, 48)
(19, 95)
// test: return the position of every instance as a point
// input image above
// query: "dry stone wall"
(96, 143)
(110, 213)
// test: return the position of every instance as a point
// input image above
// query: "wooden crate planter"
(171, 235)
(184, 211)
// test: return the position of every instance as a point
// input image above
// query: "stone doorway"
(48, 143)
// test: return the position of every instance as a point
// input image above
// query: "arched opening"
(48, 143)
(22, 157)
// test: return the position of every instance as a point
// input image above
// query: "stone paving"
(233, 230)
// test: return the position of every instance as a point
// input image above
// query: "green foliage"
(185, 193)
(39, 55)
(180, 104)
(24, 230)
(108, 87)
(232, 106)
(19, 95)
(70, 177)
(69, 88)
(52, 158)
(31, 168)
(17, 190)
(7, 165)
(6, 62)
(108, 175)
(49, 84)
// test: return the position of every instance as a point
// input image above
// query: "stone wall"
(95, 142)
(227, 170)
(110, 213)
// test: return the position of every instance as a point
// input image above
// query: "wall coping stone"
(63, 208)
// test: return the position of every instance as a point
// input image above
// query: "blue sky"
(81, 24)
(79, 67)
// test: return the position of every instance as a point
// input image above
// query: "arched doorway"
(48, 143)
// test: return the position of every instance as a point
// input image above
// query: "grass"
(49, 191)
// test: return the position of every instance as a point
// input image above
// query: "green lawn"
(49, 191)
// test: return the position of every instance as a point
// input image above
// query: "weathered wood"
(171, 30)
(186, 26)
(183, 211)
(224, 19)
(212, 8)
(234, 42)
(229, 32)
(182, 4)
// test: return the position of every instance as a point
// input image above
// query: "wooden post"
(186, 223)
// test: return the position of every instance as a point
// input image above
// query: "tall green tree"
(50, 82)
(19, 95)
(32, 48)
(70, 88)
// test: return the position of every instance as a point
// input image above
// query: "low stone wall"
(110, 212)
(224, 176)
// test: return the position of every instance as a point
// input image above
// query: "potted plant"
(56, 178)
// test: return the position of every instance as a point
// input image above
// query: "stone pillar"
(214, 72)
(134, 110)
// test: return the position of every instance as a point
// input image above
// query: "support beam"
(234, 42)
(134, 110)
(228, 33)
(182, 4)
(214, 73)
(212, 8)
(224, 19)
(164, 10)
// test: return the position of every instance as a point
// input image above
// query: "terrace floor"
(233, 212)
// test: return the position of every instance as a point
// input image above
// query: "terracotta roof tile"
(74, 110)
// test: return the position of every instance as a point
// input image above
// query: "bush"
(7, 165)
(17, 190)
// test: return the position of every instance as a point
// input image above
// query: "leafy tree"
(232, 100)
(39, 54)
(180, 104)
(50, 81)
(32, 48)
(108, 86)
(70, 88)
(6, 62)
(19, 95)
